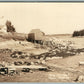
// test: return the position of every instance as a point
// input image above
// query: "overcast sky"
(51, 18)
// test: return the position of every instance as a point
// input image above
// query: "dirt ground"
(62, 70)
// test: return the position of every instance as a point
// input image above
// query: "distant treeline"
(78, 33)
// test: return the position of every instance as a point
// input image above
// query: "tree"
(10, 27)
(75, 33)
(78, 33)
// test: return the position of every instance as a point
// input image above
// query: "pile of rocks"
(19, 54)
(54, 53)
(5, 50)
(37, 62)
(58, 48)
(55, 42)
(22, 63)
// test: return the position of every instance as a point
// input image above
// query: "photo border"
(41, 1)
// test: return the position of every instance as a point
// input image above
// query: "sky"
(51, 18)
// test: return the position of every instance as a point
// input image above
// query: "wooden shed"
(35, 35)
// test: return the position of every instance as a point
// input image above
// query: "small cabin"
(35, 35)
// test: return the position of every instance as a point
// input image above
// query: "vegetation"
(78, 33)
(10, 27)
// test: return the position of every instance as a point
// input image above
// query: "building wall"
(36, 34)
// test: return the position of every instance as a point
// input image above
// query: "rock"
(54, 53)
(14, 56)
(32, 63)
(27, 57)
(18, 63)
(81, 63)
(54, 57)
(17, 54)
(27, 63)
(31, 71)
(26, 70)
(39, 61)
(82, 53)
(36, 63)
(81, 78)
(41, 58)
(48, 58)
(54, 50)
(37, 57)
(28, 54)
(43, 62)
(57, 57)
(22, 57)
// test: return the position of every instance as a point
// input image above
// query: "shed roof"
(36, 31)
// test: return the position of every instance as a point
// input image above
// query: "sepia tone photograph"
(41, 42)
